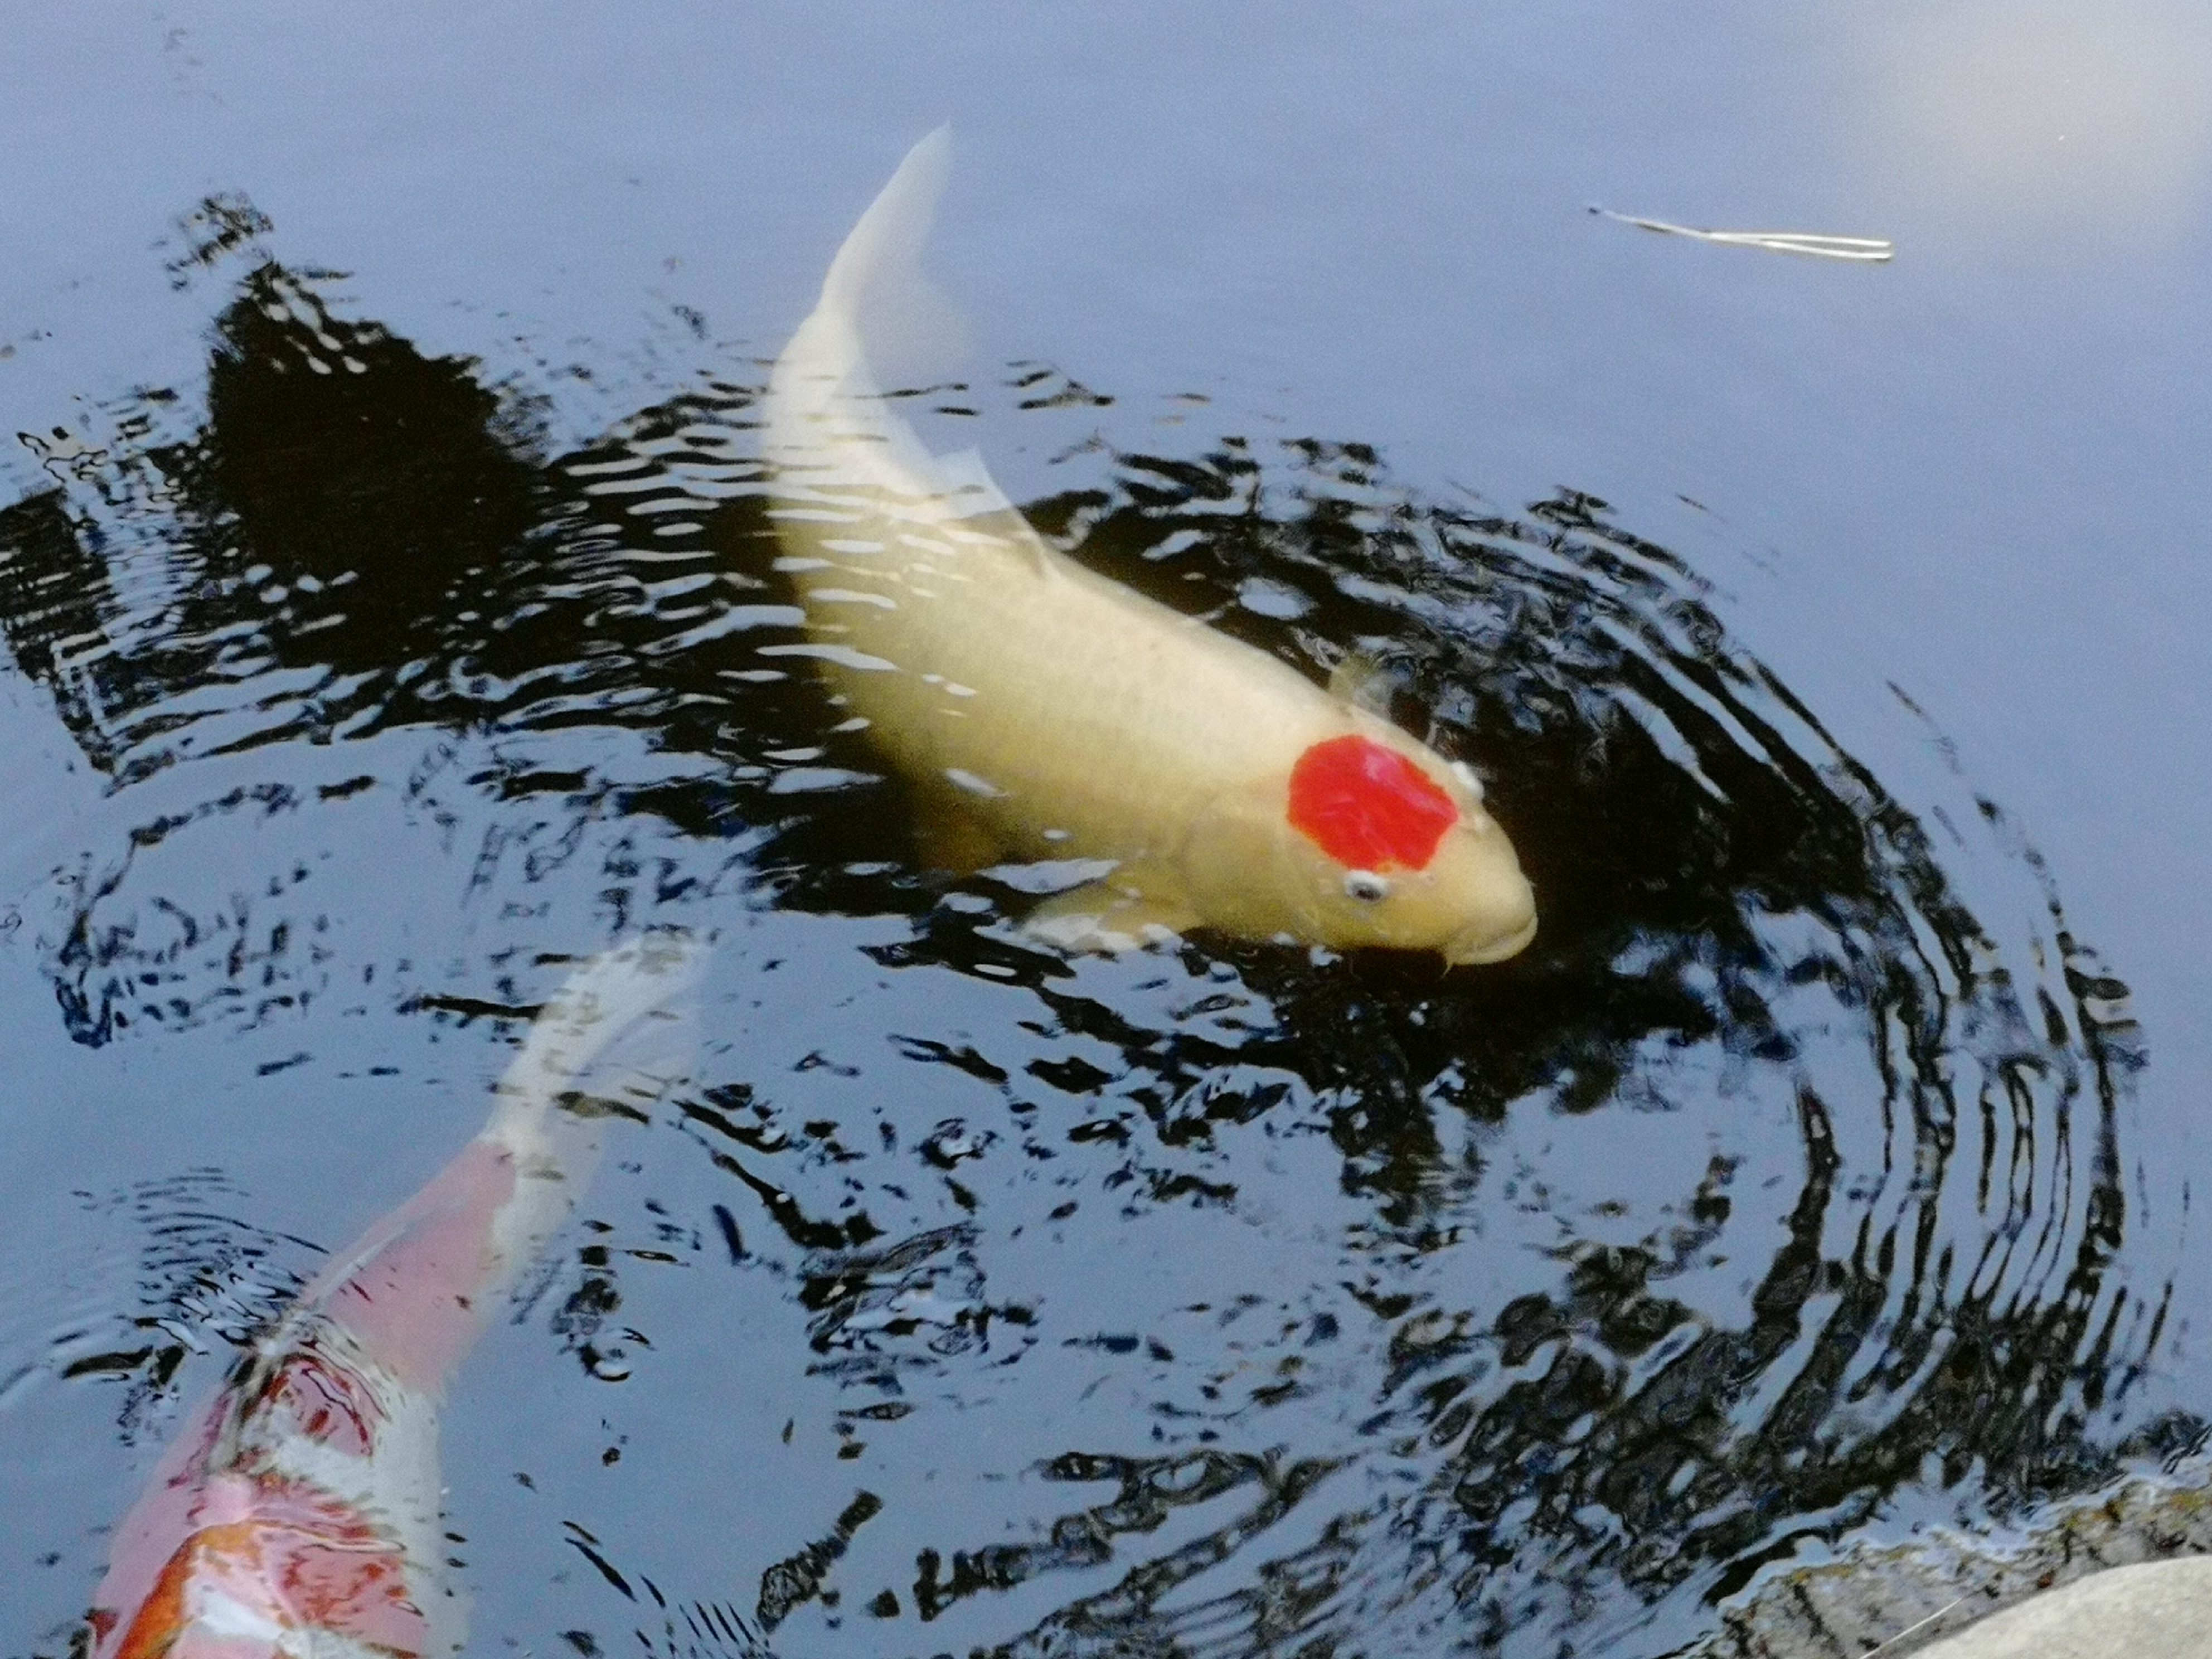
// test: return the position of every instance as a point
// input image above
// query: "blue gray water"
(381, 574)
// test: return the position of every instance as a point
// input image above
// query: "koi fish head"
(1371, 839)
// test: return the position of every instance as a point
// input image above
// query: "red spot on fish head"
(1367, 806)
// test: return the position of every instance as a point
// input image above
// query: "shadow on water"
(1768, 1191)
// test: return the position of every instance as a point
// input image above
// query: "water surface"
(1813, 1177)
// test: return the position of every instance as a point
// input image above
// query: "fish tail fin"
(619, 1025)
(834, 440)
(618, 1013)
(883, 250)
(415, 1289)
(880, 321)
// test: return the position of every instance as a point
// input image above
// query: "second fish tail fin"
(619, 1029)
(619, 1018)
(415, 1288)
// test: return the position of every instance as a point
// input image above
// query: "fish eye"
(1366, 886)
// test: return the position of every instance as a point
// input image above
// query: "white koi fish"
(300, 1513)
(1043, 713)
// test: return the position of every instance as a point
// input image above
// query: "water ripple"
(1316, 1302)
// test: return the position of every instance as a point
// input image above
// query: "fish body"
(302, 1513)
(1043, 713)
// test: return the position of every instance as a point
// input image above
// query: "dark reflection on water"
(1767, 1188)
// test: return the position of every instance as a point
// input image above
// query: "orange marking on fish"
(1367, 806)
(288, 1554)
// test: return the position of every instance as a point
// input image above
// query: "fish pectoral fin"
(1360, 681)
(1121, 913)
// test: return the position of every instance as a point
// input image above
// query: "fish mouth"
(1473, 949)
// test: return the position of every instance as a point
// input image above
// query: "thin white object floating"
(1866, 250)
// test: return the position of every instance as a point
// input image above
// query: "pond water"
(386, 577)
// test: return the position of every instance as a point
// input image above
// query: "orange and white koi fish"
(1043, 713)
(300, 1514)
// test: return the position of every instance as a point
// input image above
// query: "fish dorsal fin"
(1361, 681)
(972, 494)
(968, 483)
